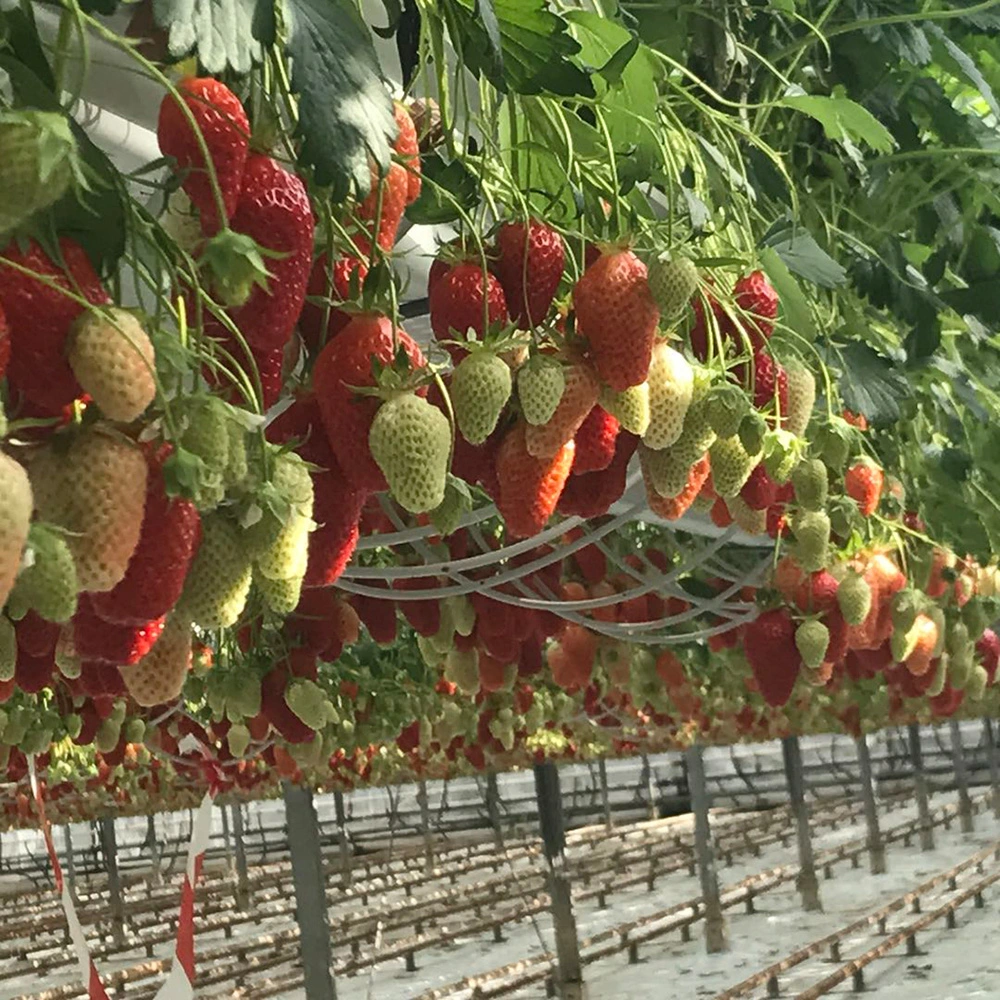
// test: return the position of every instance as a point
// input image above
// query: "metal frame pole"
(425, 825)
(343, 841)
(961, 777)
(310, 892)
(649, 777)
(807, 883)
(242, 881)
(550, 816)
(716, 939)
(876, 846)
(602, 774)
(920, 787)
(994, 765)
(109, 852)
(70, 861)
(493, 807)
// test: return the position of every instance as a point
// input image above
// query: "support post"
(70, 861)
(920, 787)
(602, 774)
(876, 846)
(109, 852)
(154, 850)
(550, 815)
(227, 842)
(242, 882)
(650, 778)
(343, 842)
(311, 914)
(961, 776)
(715, 923)
(425, 826)
(994, 765)
(807, 883)
(493, 807)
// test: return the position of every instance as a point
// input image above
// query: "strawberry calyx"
(234, 264)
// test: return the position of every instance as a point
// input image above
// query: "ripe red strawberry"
(595, 442)
(302, 423)
(769, 646)
(529, 264)
(988, 648)
(672, 508)
(154, 579)
(758, 300)
(382, 213)
(4, 342)
(40, 316)
(346, 361)
(760, 490)
(770, 378)
(529, 486)
(863, 481)
(223, 123)
(592, 493)
(36, 636)
(616, 313)
(123, 645)
(32, 673)
(457, 304)
(817, 592)
(334, 282)
(407, 148)
(424, 614)
(275, 709)
(378, 615)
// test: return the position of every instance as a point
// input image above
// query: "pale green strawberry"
(812, 539)
(308, 702)
(629, 407)
(238, 738)
(812, 639)
(975, 687)
(753, 522)
(727, 405)
(15, 517)
(801, 396)
(672, 281)
(666, 470)
(854, 598)
(218, 581)
(281, 596)
(697, 434)
(809, 480)
(671, 386)
(410, 440)
(205, 441)
(461, 667)
(731, 466)
(480, 388)
(8, 648)
(540, 384)
(49, 585)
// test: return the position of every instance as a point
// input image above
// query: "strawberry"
(817, 592)
(424, 614)
(410, 440)
(988, 648)
(731, 466)
(540, 386)
(812, 539)
(378, 615)
(760, 491)
(49, 585)
(758, 301)
(616, 314)
(333, 282)
(770, 384)
(674, 507)
(809, 479)
(96, 491)
(671, 387)
(345, 362)
(337, 513)
(630, 408)
(480, 387)
(38, 152)
(220, 118)
(154, 579)
(94, 639)
(280, 544)
(774, 658)
(529, 487)
(665, 472)
(801, 396)
(218, 580)
(112, 358)
(273, 686)
(578, 398)
(407, 148)
(591, 494)
(40, 315)
(15, 517)
(753, 522)
(387, 200)
(4, 358)
(466, 298)
(812, 638)
(672, 282)
(595, 442)
(530, 262)
(863, 482)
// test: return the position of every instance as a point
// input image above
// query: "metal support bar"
(807, 883)
(154, 850)
(602, 774)
(715, 924)
(991, 759)
(493, 807)
(70, 861)
(310, 892)
(550, 815)
(109, 852)
(649, 776)
(961, 776)
(242, 882)
(920, 787)
(227, 842)
(343, 841)
(876, 846)
(425, 826)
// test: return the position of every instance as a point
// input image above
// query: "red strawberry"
(760, 490)
(616, 313)
(302, 422)
(223, 123)
(672, 508)
(346, 361)
(36, 636)
(988, 648)
(530, 262)
(378, 615)
(769, 646)
(407, 148)
(123, 645)
(4, 343)
(839, 631)
(171, 531)
(276, 710)
(334, 282)
(756, 297)
(529, 486)
(388, 206)
(32, 673)
(863, 481)
(592, 493)
(817, 592)
(424, 614)
(39, 317)
(770, 377)
(777, 522)
(457, 304)
(337, 513)
(595, 442)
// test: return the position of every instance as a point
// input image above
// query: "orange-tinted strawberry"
(529, 487)
(863, 481)
(578, 399)
(672, 508)
(407, 148)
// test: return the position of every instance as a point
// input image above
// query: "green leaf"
(612, 70)
(485, 12)
(981, 299)
(221, 32)
(534, 42)
(797, 314)
(445, 184)
(871, 385)
(842, 119)
(803, 255)
(345, 113)
(966, 65)
(22, 38)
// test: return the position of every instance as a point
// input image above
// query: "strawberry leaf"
(224, 33)
(871, 385)
(345, 113)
